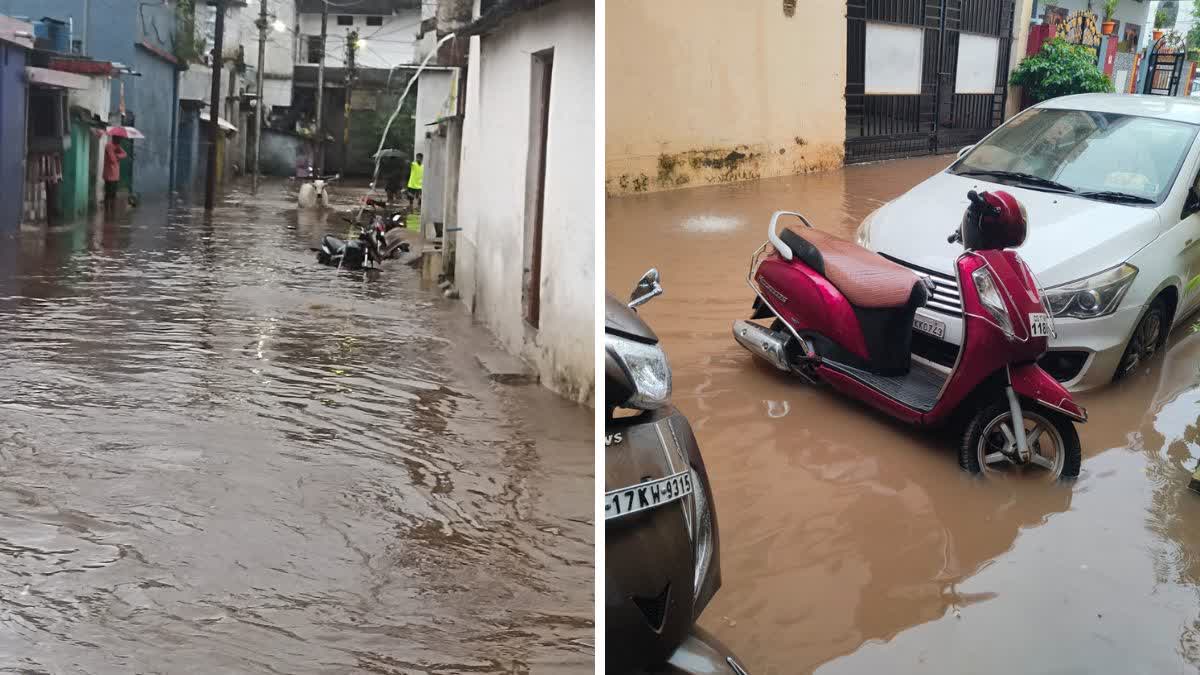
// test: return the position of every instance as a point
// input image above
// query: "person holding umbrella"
(113, 154)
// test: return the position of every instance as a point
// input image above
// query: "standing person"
(113, 154)
(416, 175)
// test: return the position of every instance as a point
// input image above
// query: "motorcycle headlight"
(989, 295)
(648, 371)
(702, 535)
(1092, 296)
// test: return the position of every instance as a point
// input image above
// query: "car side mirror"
(964, 151)
(649, 287)
(1192, 203)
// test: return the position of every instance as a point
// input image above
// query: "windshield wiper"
(1111, 196)
(1021, 179)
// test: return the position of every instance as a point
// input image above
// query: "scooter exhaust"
(764, 343)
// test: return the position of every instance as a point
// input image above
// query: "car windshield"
(1083, 151)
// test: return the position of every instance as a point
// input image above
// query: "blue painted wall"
(12, 135)
(114, 32)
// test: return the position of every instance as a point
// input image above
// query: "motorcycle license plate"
(1039, 325)
(648, 495)
(929, 326)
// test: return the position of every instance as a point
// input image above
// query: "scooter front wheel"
(989, 444)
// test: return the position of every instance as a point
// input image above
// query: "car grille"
(945, 298)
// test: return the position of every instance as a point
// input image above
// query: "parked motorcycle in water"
(662, 553)
(352, 254)
(388, 228)
(845, 316)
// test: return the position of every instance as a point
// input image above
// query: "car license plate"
(647, 495)
(1039, 325)
(929, 326)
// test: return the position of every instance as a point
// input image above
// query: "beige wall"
(701, 91)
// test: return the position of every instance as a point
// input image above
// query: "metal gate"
(924, 76)
(1162, 78)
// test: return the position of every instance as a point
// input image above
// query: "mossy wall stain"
(715, 165)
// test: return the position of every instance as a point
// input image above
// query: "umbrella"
(125, 132)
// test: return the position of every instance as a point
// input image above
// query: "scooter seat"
(333, 243)
(868, 280)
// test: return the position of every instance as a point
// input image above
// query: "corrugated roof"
(383, 7)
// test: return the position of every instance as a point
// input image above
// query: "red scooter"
(845, 316)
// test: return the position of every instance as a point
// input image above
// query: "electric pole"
(321, 92)
(260, 109)
(214, 113)
(351, 48)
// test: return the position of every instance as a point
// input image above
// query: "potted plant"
(1110, 25)
(1160, 22)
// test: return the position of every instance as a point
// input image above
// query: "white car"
(1109, 182)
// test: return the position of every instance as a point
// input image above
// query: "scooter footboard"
(1030, 381)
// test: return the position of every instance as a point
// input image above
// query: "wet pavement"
(221, 457)
(851, 543)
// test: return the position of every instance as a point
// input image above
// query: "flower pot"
(1108, 27)
(1157, 35)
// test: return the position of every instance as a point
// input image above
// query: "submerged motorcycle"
(351, 254)
(662, 552)
(845, 316)
(388, 228)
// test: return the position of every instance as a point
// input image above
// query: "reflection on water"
(853, 543)
(221, 457)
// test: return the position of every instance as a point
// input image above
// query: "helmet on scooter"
(994, 220)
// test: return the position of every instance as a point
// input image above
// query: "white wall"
(433, 92)
(385, 46)
(491, 206)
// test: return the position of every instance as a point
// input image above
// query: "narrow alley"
(220, 456)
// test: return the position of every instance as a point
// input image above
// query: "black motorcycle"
(662, 550)
(352, 254)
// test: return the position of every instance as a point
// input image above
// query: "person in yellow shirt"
(416, 175)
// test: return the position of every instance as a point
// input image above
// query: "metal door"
(924, 76)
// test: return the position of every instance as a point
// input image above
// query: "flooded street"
(221, 457)
(851, 543)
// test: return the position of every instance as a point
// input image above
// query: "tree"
(1060, 69)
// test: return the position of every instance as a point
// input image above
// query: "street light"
(279, 26)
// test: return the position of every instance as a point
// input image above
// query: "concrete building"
(139, 35)
(15, 44)
(386, 31)
(526, 193)
(735, 92)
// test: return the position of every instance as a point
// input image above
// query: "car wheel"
(1148, 337)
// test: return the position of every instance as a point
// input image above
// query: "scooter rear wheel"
(989, 444)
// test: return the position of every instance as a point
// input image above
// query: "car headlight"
(989, 295)
(648, 371)
(862, 236)
(1092, 296)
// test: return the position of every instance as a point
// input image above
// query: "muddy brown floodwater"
(220, 457)
(852, 544)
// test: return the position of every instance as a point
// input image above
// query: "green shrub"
(1060, 69)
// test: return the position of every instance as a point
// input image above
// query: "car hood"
(1069, 237)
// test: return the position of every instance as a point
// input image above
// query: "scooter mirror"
(649, 287)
